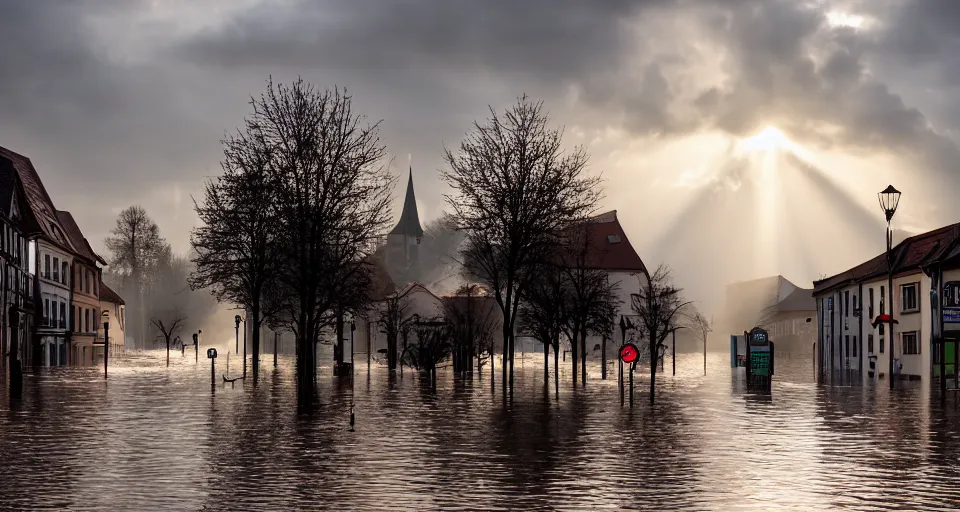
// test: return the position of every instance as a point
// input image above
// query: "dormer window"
(613, 239)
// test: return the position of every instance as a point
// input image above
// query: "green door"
(950, 349)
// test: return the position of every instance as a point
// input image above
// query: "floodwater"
(156, 438)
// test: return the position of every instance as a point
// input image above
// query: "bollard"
(212, 355)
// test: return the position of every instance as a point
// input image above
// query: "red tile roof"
(909, 255)
(39, 202)
(77, 239)
(608, 246)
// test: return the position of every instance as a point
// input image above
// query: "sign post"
(760, 355)
(212, 356)
(629, 354)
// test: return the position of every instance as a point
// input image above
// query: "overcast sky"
(121, 102)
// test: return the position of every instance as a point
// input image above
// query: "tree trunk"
(573, 357)
(556, 369)
(583, 355)
(391, 351)
(505, 349)
(338, 359)
(653, 370)
(603, 358)
(168, 352)
(256, 343)
(546, 365)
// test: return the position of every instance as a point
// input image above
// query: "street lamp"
(889, 200)
(236, 320)
(106, 340)
(196, 349)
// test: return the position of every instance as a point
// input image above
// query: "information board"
(760, 363)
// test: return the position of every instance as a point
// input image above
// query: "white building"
(851, 340)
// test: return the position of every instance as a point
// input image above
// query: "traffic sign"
(629, 353)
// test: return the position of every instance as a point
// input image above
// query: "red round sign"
(629, 353)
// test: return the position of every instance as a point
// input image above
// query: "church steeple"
(409, 223)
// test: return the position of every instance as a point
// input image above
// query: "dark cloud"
(107, 131)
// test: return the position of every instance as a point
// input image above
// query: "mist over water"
(153, 438)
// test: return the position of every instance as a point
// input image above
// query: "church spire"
(409, 223)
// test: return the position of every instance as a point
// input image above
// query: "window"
(63, 315)
(909, 300)
(46, 266)
(86, 320)
(90, 282)
(881, 345)
(857, 307)
(64, 272)
(846, 303)
(870, 343)
(846, 343)
(56, 269)
(870, 311)
(53, 313)
(911, 345)
(856, 351)
(46, 311)
(613, 239)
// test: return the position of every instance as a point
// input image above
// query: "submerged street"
(156, 438)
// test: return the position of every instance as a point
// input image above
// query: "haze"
(737, 139)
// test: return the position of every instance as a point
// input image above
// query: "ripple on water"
(156, 438)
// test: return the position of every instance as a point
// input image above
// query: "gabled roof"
(77, 239)
(800, 299)
(108, 295)
(608, 246)
(47, 224)
(910, 255)
(409, 223)
(416, 286)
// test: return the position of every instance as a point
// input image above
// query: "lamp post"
(196, 348)
(353, 327)
(889, 200)
(244, 348)
(236, 320)
(106, 340)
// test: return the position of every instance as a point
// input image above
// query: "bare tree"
(236, 245)
(703, 328)
(515, 190)
(169, 325)
(543, 314)
(432, 347)
(592, 301)
(395, 318)
(136, 249)
(470, 317)
(334, 200)
(658, 305)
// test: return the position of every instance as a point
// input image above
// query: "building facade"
(114, 305)
(854, 342)
(776, 304)
(17, 283)
(51, 255)
(83, 317)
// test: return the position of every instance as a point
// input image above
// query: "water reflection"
(156, 438)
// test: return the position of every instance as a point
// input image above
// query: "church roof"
(409, 223)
